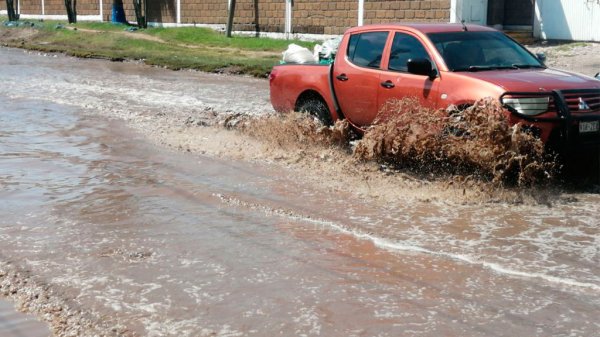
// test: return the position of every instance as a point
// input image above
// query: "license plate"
(585, 127)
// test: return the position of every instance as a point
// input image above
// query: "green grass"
(208, 37)
(173, 48)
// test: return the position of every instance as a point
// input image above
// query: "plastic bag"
(297, 54)
(331, 46)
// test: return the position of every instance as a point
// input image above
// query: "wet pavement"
(174, 244)
(14, 324)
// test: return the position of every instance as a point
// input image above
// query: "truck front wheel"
(316, 107)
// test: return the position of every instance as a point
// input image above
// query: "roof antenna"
(464, 26)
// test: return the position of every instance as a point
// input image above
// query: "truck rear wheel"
(316, 107)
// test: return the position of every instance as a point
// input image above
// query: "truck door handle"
(387, 84)
(342, 77)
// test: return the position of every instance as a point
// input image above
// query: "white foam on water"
(399, 246)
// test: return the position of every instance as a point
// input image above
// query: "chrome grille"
(591, 99)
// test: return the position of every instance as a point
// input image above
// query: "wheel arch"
(308, 95)
(324, 114)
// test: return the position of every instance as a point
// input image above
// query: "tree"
(10, 9)
(139, 13)
(71, 6)
(229, 27)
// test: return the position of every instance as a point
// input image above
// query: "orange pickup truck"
(442, 65)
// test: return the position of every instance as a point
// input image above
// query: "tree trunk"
(71, 6)
(10, 9)
(230, 18)
(139, 13)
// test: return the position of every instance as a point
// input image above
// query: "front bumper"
(560, 126)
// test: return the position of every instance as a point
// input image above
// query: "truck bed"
(290, 82)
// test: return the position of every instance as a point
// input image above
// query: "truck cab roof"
(424, 28)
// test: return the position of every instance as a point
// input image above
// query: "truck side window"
(366, 49)
(405, 47)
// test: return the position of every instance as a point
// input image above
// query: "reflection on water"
(179, 245)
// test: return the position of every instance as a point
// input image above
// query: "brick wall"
(382, 11)
(57, 7)
(329, 17)
(162, 11)
(259, 15)
(29, 7)
(52, 7)
(324, 17)
(87, 7)
(204, 11)
(309, 16)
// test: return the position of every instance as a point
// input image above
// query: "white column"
(178, 11)
(43, 8)
(456, 13)
(361, 12)
(288, 17)
(101, 11)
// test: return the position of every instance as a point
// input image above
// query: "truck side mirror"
(541, 57)
(421, 67)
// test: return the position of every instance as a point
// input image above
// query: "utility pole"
(230, 18)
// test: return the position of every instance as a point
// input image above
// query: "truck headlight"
(529, 106)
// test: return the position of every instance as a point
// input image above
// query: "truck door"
(356, 75)
(397, 83)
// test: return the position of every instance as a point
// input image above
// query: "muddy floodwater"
(15, 324)
(130, 238)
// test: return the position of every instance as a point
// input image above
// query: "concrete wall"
(567, 20)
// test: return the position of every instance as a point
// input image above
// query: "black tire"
(316, 107)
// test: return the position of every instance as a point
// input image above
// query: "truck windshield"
(480, 51)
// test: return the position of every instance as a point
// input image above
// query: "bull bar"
(564, 115)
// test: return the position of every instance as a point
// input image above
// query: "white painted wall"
(577, 20)
(472, 11)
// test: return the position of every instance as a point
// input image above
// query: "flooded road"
(129, 238)
(14, 324)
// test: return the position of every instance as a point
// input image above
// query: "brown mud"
(477, 142)
(477, 154)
